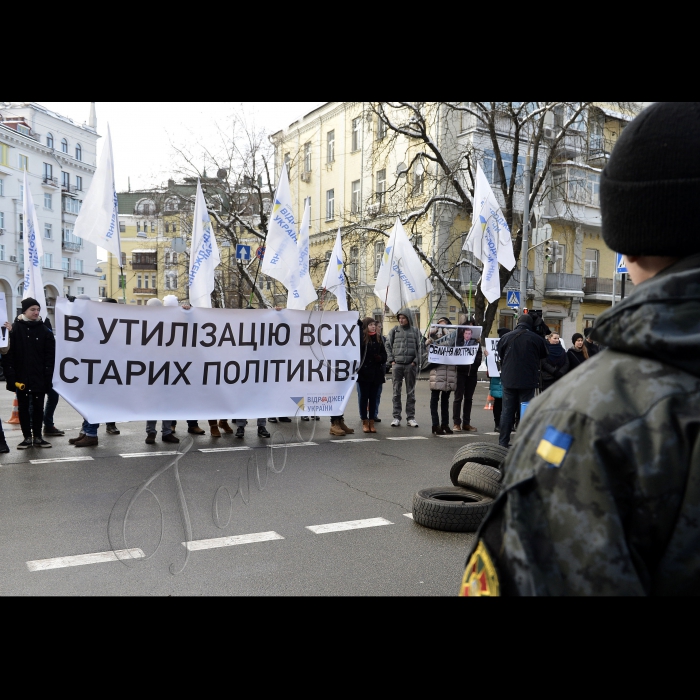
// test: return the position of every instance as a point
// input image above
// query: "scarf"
(557, 354)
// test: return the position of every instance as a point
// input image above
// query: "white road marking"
(61, 459)
(493, 433)
(355, 440)
(348, 525)
(291, 444)
(80, 559)
(456, 435)
(150, 454)
(408, 515)
(224, 449)
(196, 545)
(418, 437)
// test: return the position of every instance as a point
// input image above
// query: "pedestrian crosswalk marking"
(348, 525)
(196, 545)
(80, 559)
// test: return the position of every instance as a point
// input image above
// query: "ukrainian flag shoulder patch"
(554, 445)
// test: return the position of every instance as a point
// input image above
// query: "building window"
(65, 180)
(381, 185)
(4, 151)
(173, 258)
(356, 203)
(307, 157)
(48, 260)
(330, 205)
(353, 268)
(21, 226)
(138, 281)
(81, 290)
(153, 281)
(79, 266)
(2, 252)
(174, 227)
(122, 227)
(559, 262)
(2, 221)
(102, 291)
(71, 205)
(591, 263)
(146, 206)
(78, 183)
(64, 145)
(378, 257)
(153, 227)
(381, 128)
(171, 278)
(418, 176)
(138, 227)
(123, 263)
(287, 160)
(49, 140)
(584, 187)
(167, 227)
(507, 321)
(419, 243)
(2, 187)
(330, 146)
(356, 134)
(23, 162)
(65, 265)
(48, 203)
(78, 152)
(48, 172)
(47, 231)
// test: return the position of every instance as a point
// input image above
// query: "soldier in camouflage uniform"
(603, 481)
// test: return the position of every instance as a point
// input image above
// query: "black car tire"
(480, 452)
(450, 508)
(480, 478)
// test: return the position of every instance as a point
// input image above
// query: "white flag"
(401, 277)
(204, 254)
(33, 251)
(489, 237)
(98, 221)
(281, 259)
(305, 294)
(334, 280)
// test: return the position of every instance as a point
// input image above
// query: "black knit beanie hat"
(526, 320)
(575, 337)
(445, 319)
(26, 303)
(651, 184)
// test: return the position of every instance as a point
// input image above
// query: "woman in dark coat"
(370, 376)
(29, 363)
(578, 352)
(556, 365)
(466, 381)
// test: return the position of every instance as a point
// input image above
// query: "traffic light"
(555, 249)
(548, 249)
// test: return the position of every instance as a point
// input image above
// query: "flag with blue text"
(305, 293)
(334, 280)
(489, 237)
(281, 259)
(33, 251)
(204, 254)
(98, 221)
(401, 277)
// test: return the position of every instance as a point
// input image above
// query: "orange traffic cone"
(14, 419)
(489, 403)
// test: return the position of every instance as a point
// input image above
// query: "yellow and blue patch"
(554, 445)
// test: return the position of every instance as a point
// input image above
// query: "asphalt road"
(65, 509)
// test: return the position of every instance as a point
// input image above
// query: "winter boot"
(223, 424)
(365, 426)
(371, 426)
(348, 431)
(336, 429)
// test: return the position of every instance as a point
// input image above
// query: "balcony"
(70, 245)
(145, 290)
(599, 150)
(144, 265)
(49, 181)
(563, 284)
(69, 274)
(600, 288)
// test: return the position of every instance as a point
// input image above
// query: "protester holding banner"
(370, 376)
(443, 381)
(28, 367)
(466, 381)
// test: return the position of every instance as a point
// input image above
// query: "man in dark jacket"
(29, 370)
(520, 351)
(603, 484)
(404, 351)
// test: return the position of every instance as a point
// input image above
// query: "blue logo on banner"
(242, 252)
(513, 299)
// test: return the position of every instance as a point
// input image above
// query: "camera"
(540, 327)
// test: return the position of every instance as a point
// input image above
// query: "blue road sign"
(513, 299)
(620, 264)
(242, 252)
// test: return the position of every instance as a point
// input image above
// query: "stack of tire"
(476, 474)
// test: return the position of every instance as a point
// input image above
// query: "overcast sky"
(142, 132)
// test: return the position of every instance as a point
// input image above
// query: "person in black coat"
(520, 352)
(577, 353)
(556, 365)
(30, 363)
(370, 375)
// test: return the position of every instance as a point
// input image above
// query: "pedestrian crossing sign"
(620, 267)
(513, 299)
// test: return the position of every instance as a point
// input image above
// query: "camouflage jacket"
(603, 481)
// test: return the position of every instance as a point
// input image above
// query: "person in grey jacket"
(404, 349)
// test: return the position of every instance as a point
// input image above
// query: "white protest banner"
(458, 346)
(492, 357)
(121, 363)
(4, 333)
